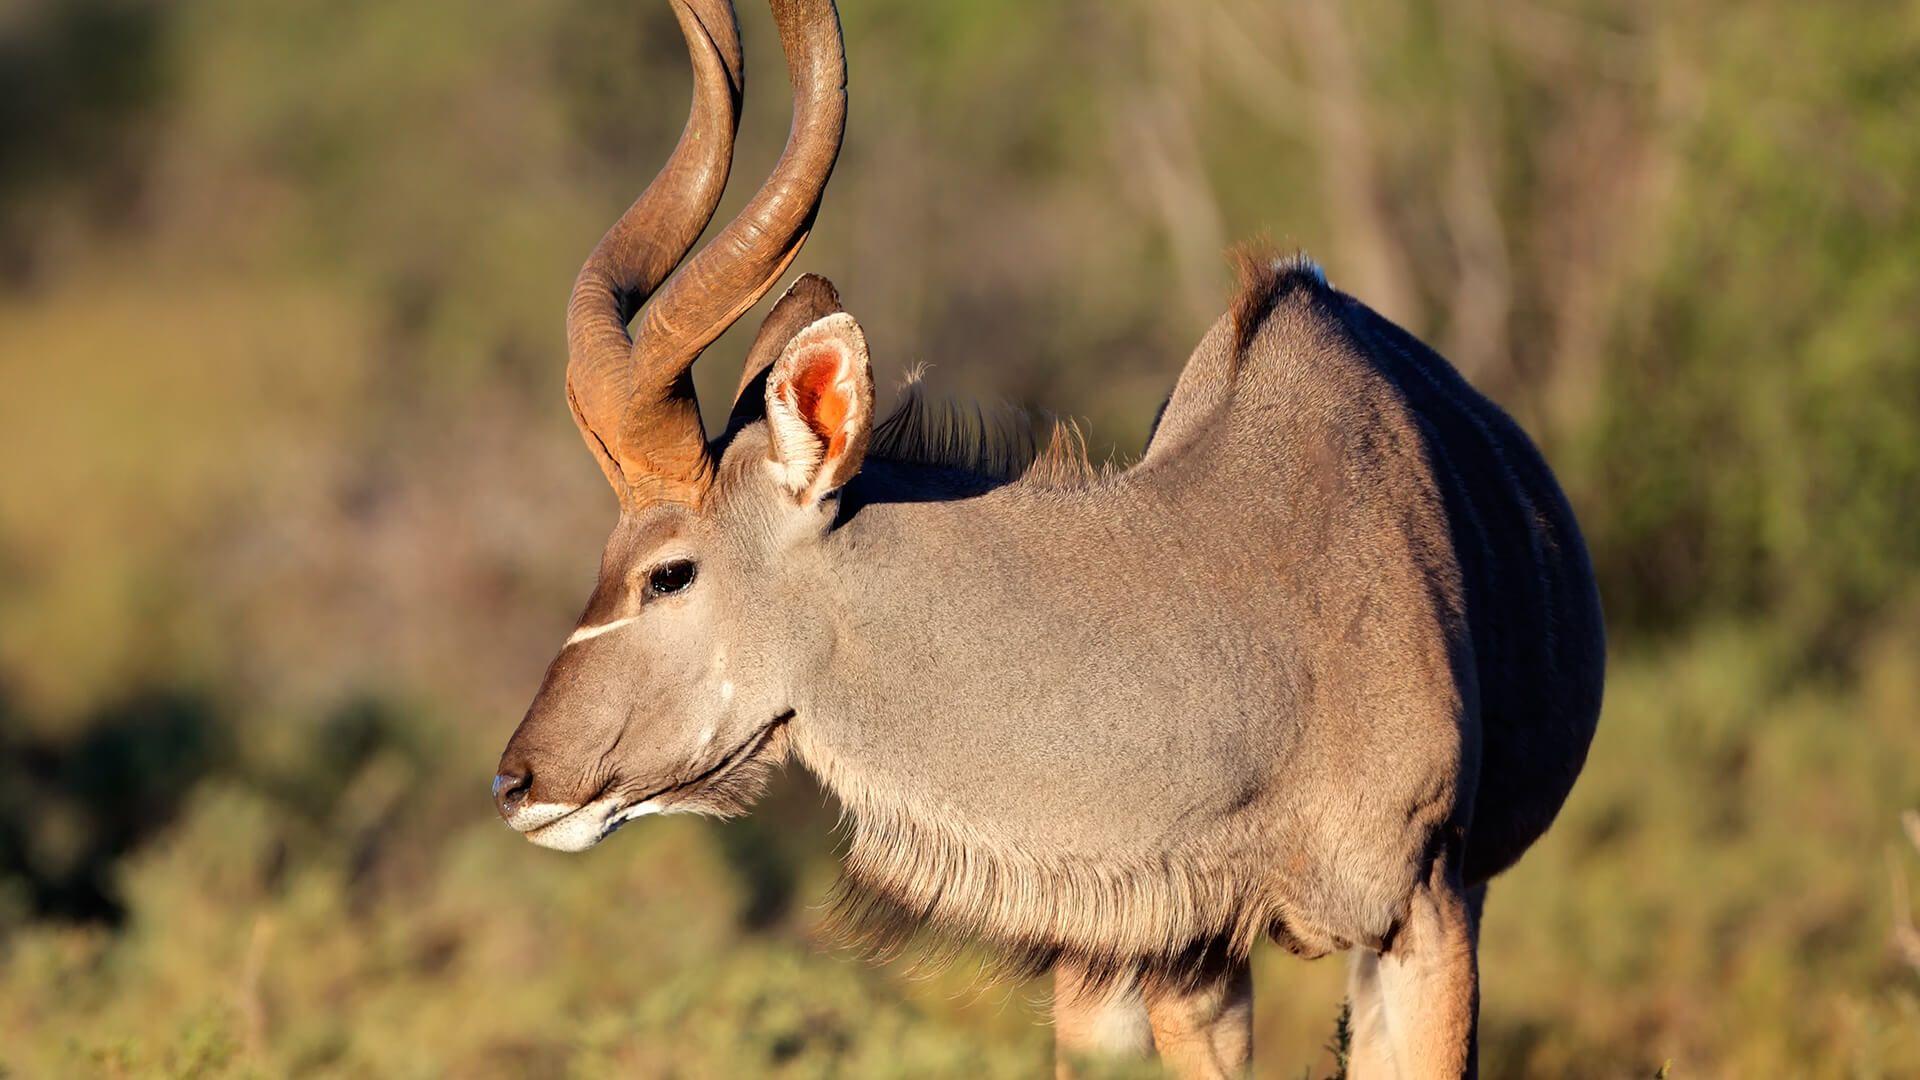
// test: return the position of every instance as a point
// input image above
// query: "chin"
(737, 782)
(727, 789)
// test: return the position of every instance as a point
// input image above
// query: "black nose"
(510, 788)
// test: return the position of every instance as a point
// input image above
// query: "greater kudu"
(1322, 662)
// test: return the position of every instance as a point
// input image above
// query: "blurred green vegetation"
(291, 513)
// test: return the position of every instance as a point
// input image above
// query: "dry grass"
(1705, 899)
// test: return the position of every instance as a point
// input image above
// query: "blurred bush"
(291, 512)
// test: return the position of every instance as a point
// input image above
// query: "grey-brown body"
(1323, 661)
(1339, 605)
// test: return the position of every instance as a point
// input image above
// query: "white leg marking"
(1120, 1026)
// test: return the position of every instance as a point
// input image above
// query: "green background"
(292, 514)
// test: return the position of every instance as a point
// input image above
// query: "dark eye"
(670, 577)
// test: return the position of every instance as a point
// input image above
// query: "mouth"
(584, 826)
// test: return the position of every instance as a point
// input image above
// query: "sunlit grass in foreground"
(1715, 894)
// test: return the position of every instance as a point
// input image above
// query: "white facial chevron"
(587, 633)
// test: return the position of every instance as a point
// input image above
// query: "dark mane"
(1005, 445)
(1265, 278)
(1002, 444)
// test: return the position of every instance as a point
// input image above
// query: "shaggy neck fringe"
(1004, 445)
(909, 867)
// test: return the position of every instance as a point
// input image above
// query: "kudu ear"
(820, 406)
(810, 299)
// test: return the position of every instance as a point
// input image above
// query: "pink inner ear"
(823, 407)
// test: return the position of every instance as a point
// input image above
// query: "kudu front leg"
(1093, 1022)
(1206, 1029)
(1415, 1005)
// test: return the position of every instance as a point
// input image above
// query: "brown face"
(641, 712)
(673, 693)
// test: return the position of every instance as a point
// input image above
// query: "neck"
(995, 721)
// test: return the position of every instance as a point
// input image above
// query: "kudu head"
(672, 693)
